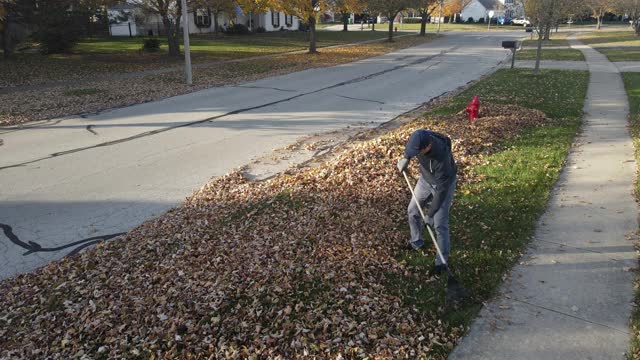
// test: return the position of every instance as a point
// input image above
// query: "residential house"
(128, 20)
(479, 9)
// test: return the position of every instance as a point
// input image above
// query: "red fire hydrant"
(474, 108)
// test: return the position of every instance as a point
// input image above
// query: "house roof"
(491, 4)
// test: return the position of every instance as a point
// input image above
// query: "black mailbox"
(509, 44)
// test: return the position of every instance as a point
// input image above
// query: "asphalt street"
(70, 182)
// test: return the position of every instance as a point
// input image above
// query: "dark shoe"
(415, 246)
(437, 270)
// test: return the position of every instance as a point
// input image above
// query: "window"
(288, 19)
(275, 18)
(202, 17)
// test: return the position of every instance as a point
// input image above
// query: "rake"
(455, 291)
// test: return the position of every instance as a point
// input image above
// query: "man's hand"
(430, 222)
(403, 164)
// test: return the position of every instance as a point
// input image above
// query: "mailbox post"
(510, 44)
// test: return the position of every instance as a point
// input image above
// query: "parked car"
(521, 21)
(504, 20)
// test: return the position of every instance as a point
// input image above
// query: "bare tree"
(388, 8)
(347, 7)
(632, 9)
(542, 13)
(217, 7)
(170, 12)
(598, 9)
(425, 8)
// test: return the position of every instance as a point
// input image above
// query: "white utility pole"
(187, 51)
(439, 17)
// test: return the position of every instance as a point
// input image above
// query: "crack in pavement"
(367, 100)
(569, 315)
(263, 87)
(581, 248)
(234, 112)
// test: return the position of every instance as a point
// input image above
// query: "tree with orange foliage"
(307, 11)
(453, 7)
(598, 9)
(346, 8)
(390, 9)
(425, 8)
(257, 6)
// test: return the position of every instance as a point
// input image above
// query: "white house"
(271, 20)
(479, 9)
(127, 20)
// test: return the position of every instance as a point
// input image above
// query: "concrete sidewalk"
(571, 296)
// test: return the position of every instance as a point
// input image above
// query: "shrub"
(239, 29)
(470, 20)
(412, 20)
(58, 28)
(261, 29)
(481, 21)
(151, 45)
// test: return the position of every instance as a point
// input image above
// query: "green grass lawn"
(621, 54)
(493, 220)
(545, 43)
(610, 38)
(102, 56)
(456, 27)
(551, 54)
(230, 46)
(632, 84)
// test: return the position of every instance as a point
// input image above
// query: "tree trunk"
(345, 21)
(215, 22)
(391, 28)
(536, 70)
(423, 23)
(7, 45)
(312, 35)
(599, 16)
(547, 31)
(636, 27)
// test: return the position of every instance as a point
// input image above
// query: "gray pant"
(423, 191)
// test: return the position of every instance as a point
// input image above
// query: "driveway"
(69, 183)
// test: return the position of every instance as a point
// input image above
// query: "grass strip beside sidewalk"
(551, 54)
(632, 85)
(309, 263)
(632, 54)
(495, 211)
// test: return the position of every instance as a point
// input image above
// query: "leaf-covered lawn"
(23, 106)
(309, 263)
(551, 54)
(632, 85)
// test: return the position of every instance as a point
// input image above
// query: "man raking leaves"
(437, 183)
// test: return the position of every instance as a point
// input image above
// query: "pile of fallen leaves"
(89, 95)
(295, 266)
